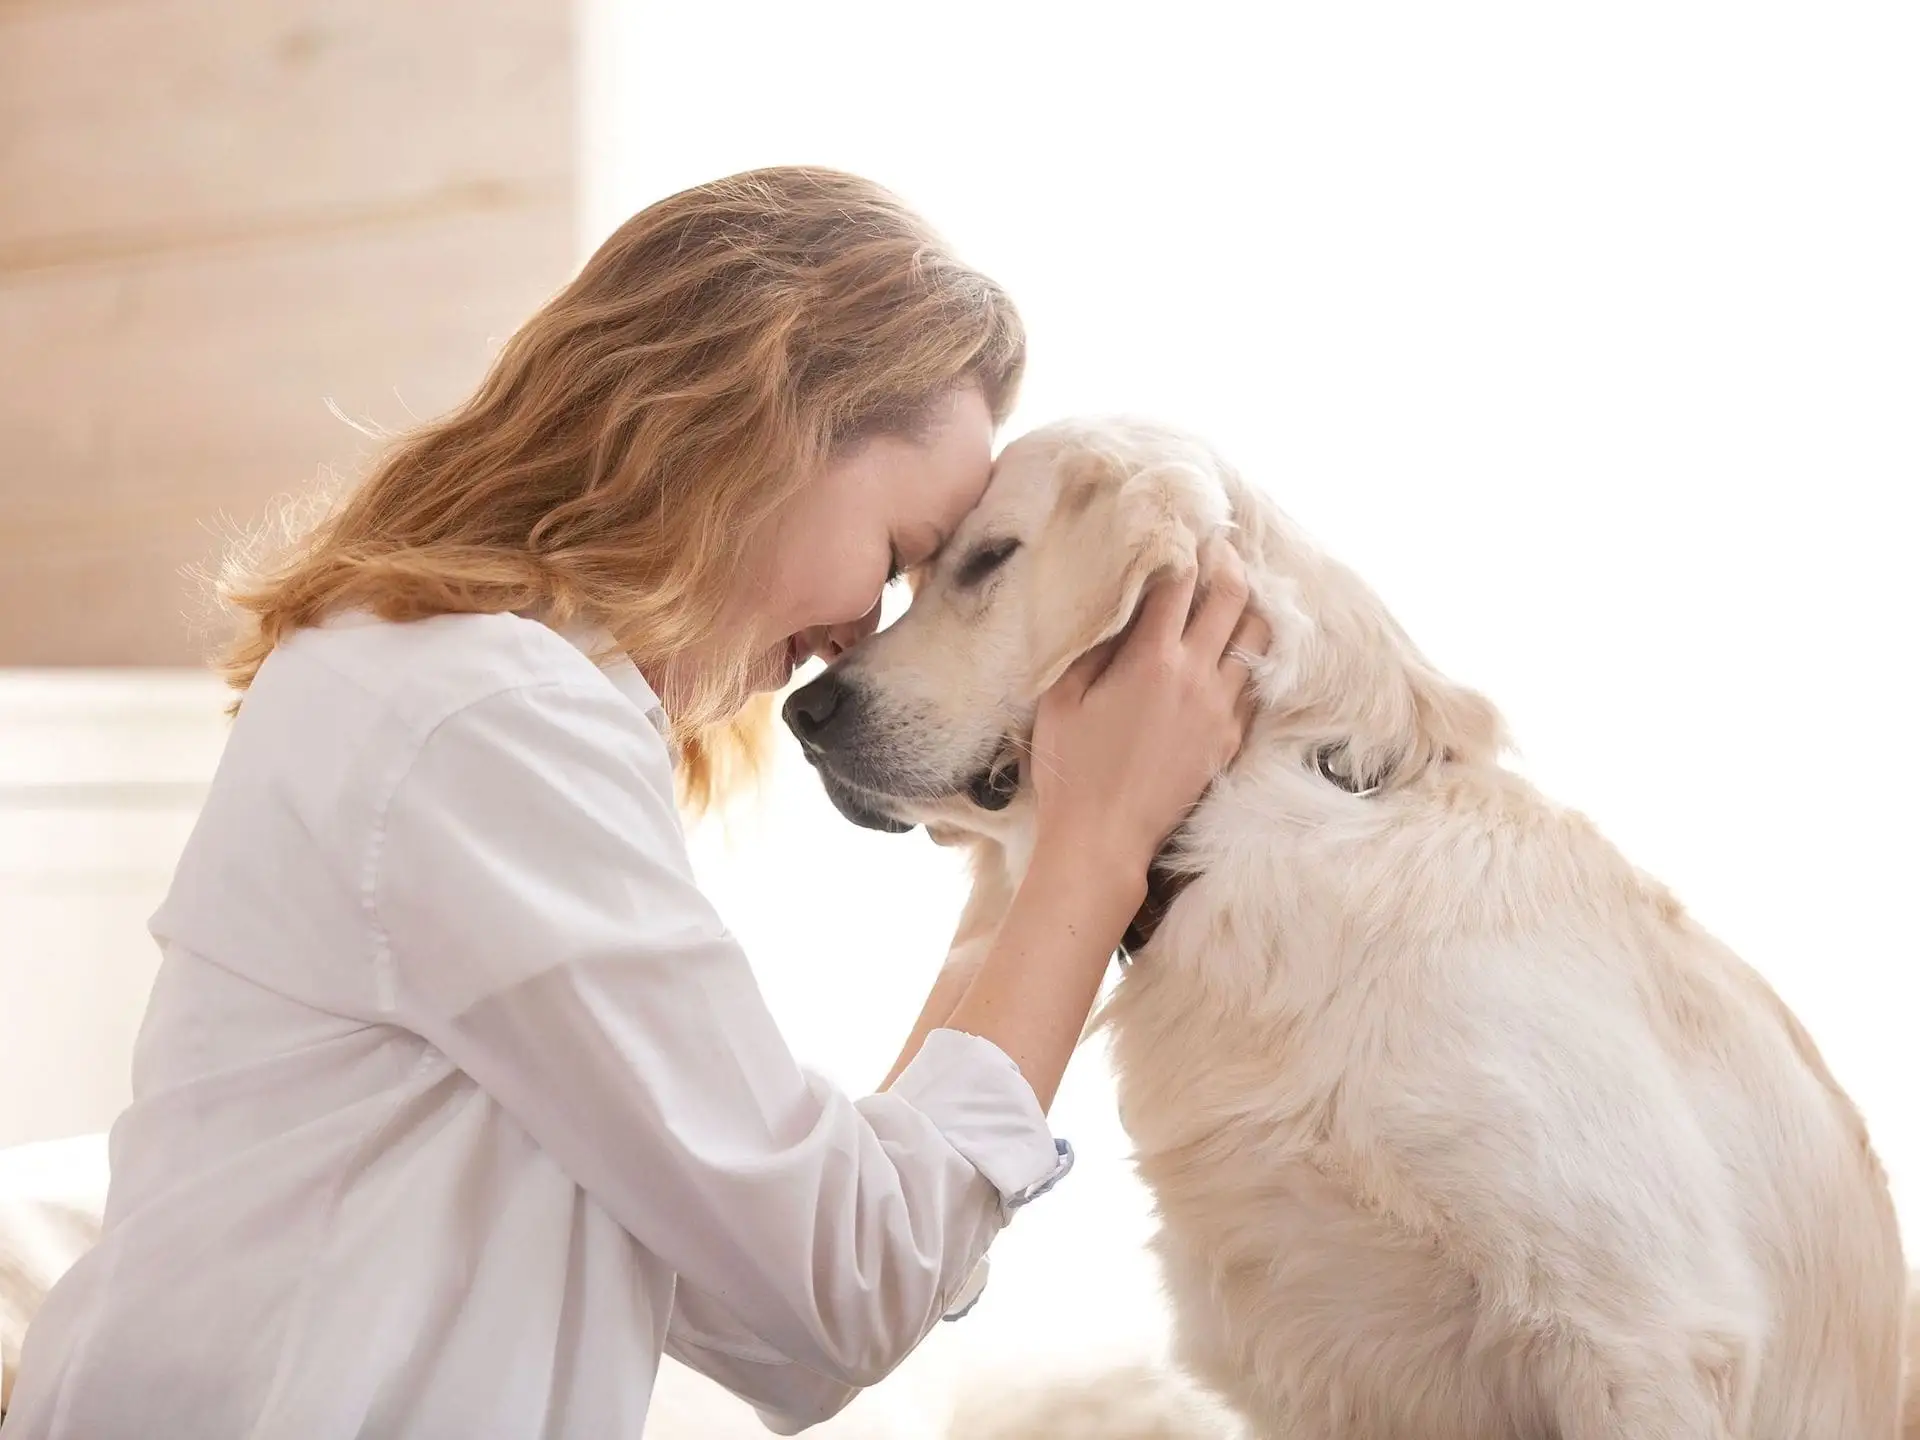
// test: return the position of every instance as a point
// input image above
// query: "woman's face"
(887, 507)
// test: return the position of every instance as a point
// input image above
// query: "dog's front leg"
(980, 921)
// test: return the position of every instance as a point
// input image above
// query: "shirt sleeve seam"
(387, 790)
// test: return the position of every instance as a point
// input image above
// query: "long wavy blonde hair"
(638, 434)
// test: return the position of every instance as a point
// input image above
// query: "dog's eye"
(983, 562)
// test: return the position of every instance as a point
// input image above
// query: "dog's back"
(1818, 1215)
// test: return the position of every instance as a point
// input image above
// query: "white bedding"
(51, 1197)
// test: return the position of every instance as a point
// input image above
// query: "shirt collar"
(597, 644)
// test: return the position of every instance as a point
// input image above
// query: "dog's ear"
(1405, 735)
(1381, 714)
(1111, 533)
(1450, 724)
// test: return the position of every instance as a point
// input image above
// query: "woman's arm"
(534, 917)
(706, 1336)
(537, 917)
(1163, 711)
(1035, 988)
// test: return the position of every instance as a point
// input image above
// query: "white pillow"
(52, 1195)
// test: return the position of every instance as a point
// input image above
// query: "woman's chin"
(772, 671)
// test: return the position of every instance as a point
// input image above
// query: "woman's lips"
(790, 658)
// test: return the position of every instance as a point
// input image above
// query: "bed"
(51, 1196)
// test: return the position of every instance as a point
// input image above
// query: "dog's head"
(929, 721)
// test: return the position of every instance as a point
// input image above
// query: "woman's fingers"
(1201, 614)
(1225, 602)
(1163, 614)
(1248, 643)
(1081, 674)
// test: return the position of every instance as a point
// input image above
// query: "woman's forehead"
(950, 469)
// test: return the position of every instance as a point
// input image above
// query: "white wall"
(101, 774)
(1586, 333)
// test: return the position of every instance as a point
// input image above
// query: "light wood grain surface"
(218, 220)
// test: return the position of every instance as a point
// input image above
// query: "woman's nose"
(830, 642)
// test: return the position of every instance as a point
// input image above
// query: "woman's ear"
(1110, 535)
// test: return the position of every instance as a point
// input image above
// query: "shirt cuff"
(978, 1099)
(969, 1295)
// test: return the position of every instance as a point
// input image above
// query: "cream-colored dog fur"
(1458, 1126)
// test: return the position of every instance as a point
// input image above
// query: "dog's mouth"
(861, 807)
(991, 788)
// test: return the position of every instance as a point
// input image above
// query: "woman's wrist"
(1101, 872)
(1098, 858)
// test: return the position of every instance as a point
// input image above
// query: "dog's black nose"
(809, 711)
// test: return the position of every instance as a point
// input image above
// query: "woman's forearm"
(1036, 986)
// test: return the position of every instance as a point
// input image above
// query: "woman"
(455, 1104)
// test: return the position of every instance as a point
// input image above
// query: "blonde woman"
(455, 1104)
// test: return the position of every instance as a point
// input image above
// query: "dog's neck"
(1164, 884)
(1167, 878)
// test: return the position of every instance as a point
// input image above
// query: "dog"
(1457, 1125)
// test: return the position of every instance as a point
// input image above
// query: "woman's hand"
(1129, 739)
(1124, 745)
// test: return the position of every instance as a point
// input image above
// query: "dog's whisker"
(1024, 748)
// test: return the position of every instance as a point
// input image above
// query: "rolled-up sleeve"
(536, 919)
(977, 1096)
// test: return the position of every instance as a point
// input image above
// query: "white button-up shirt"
(456, 1105)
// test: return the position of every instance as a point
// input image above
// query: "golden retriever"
(1458, 1126)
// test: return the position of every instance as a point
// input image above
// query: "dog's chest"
(1237, 1035)
(1211, 1055)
